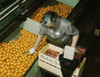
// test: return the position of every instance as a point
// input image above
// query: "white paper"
(69, 52)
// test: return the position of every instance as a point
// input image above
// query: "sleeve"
(71, 30)
(42, 31)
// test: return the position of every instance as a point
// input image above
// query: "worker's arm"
(74, 40)
(39, 38)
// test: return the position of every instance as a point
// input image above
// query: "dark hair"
(51, 16)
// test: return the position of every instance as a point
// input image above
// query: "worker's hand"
(31, 51)
(77, 51)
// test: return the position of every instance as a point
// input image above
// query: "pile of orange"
(61, 9)
(14, 57)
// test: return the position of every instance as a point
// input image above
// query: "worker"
(58, 30)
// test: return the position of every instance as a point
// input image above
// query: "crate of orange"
(48, 58)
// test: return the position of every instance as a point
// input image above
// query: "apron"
(58, 42)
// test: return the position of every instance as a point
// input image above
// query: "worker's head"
(49, 19)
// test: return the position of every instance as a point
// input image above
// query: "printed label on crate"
(49, 60)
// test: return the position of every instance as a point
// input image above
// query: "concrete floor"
(92, 67)
(87, 23)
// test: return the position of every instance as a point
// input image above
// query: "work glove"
(31, 51)
(69, 52)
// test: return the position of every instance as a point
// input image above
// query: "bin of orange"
(61, 9)
(12, 61)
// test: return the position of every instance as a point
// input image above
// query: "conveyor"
(16, 17)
